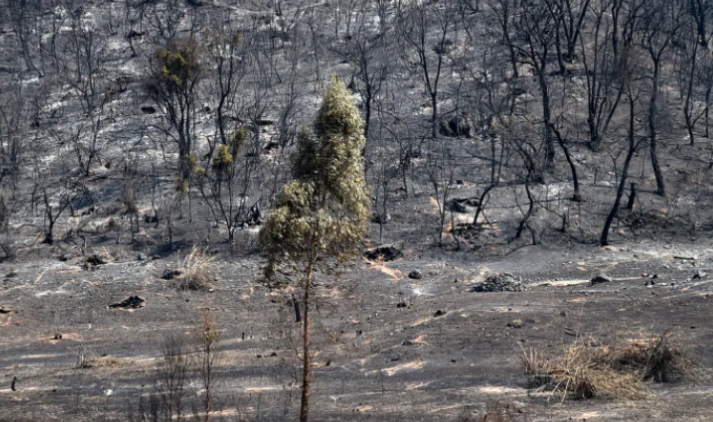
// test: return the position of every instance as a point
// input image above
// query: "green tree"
(225, 185)
(173, 85)
(322, 213)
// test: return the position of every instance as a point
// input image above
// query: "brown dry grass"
(104, 362)
(194, 270)
(658, 359)
(582, 371)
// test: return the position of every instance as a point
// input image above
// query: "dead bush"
(658, 359)
(583, 371)
(580, 372)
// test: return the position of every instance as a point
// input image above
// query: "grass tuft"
(582, 371)
(194, 270)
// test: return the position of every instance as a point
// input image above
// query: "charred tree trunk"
(576, 196)
(632, 197)
(707, 110)
(687, 113)
(546, 114)
(653, 138)
(528, 213)
(604, 238)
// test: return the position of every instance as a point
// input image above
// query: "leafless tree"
(13, 132)
(172, 383)
(57, 190)
(24, 18)
(364, 46)
(535, 24)
(657, 27)
(600, 68)
(439, 171)
(569, 17)
(693, 57)
(85, 73)
(424, 29)
(630, 84)
(504, 13)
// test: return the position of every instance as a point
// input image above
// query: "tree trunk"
(576, 196)
(604, 238)
(549, 144)
(508, 42)
(306, 370)
(298, 317)
(434, 115)
(594, 139)
(632, 197)
(367, 111)
(707, 110)
(690, 123)
(481, 200)
(558, 47)
(528, 214)
(660, 184)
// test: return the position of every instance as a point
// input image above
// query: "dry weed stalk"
(536, 367)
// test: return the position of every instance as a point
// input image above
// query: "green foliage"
(237, 140)
(190, 164)
(223, 161)
(332, 159)
(323, 211)
(178, 66)
(181, 185)
(192, 161)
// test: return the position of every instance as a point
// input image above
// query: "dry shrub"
(658, 359)
(583, 371)
(580, 372)
(194, 270)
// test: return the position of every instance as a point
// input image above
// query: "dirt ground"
(374, 359)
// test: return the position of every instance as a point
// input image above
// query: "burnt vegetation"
(538, 107)
(174, 125)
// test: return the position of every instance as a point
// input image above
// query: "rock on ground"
(385, 252)
(601, 278)
(504, 282)
(415, 275)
